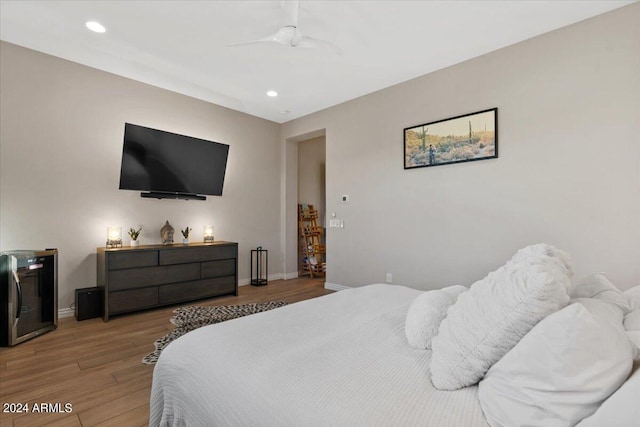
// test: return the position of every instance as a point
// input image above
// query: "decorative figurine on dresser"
(166, 233)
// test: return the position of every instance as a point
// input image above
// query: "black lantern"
(259, 259)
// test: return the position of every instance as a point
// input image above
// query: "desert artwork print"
(455, 140)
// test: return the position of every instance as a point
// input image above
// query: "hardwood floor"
(96, 367)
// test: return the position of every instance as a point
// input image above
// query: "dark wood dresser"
(136, 278)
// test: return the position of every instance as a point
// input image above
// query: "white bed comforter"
(337, 360)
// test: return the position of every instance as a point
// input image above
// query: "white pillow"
(425, 314)
(632, 328)
(597, 286)
(492, 316)
(544, 250)
(604, 310)
(559, 373)
(633, 297)
(621, 409)
(634, 337)
(609, 312)
(632, 321)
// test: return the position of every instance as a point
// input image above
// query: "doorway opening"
(312, 207)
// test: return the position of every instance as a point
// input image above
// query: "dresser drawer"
(141, 277)
(198, 289)
(224, 267)
(198, 254)
(131, 259)
(123, 301)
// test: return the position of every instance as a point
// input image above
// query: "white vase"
(185, 241)
(135, 243)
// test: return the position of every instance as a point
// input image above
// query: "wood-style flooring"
(96, 367)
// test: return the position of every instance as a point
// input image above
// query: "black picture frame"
(460, 139)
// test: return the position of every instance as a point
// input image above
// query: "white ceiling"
(183, 45)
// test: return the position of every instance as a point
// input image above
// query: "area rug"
(186, 319)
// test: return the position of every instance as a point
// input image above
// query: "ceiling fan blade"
(268, 39)
(287, 36)
(310, 42)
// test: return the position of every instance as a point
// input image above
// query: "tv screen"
(165, 162)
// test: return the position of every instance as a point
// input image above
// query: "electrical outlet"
(389, 278)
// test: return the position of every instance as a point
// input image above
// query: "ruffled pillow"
(425, 314)
(543, 250)
(495, 313)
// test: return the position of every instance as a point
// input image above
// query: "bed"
(338, 360)
(348, 358)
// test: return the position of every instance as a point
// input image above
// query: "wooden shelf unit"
(312, 248)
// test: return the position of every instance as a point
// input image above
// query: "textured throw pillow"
(425, 314)
(493, 315)
(597, 286)
(535, 252)
(559, 373)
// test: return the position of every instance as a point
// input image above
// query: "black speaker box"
(88, 303)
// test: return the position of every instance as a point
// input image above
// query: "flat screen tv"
(168, 165)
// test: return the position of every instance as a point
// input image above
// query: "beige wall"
(568, 172)
(61, 135)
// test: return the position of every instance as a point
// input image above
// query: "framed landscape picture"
(458, 139)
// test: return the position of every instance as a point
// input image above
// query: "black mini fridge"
(28, 294)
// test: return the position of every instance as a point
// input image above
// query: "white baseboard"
(277, 276)
(66, 312)
(335, 286)
(247, 281)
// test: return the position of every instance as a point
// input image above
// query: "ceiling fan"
(289, 35)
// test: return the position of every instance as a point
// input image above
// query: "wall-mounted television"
(168, 165)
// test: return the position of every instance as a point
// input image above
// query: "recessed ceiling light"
(95, 27)
(272, 93)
